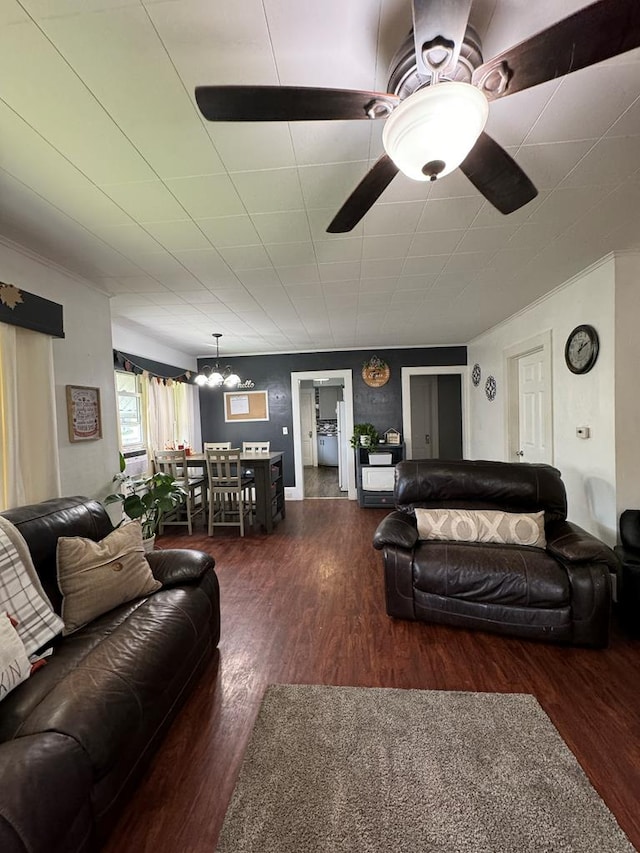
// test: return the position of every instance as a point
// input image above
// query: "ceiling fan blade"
(291, 103)
(592, 34)
(438, 30)
(364, 196)
(497, 176)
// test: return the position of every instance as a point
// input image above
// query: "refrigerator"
(343, 448)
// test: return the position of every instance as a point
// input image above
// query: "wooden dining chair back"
(216, 445)
(256, 446)
(175, 463)
(229, 490)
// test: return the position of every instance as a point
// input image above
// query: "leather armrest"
(571, 543)
(174, 566)
(398, 528)
(45, 784)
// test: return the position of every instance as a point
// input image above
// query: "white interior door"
(533, 400)
(424, 417)
(308, 427)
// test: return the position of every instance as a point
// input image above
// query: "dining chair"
(216, 445)
(175, 463)
(254, 447)
(229, 490)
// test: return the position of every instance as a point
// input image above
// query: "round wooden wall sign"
(376, 372)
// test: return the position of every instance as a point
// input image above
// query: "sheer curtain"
(29, 465)
(171, 411)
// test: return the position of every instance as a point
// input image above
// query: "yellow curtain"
(170, 412)
(29, 464)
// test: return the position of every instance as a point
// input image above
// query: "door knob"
(519, 452)
(427, 439)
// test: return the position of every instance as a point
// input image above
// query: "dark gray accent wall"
(449, 416)
(380, 406)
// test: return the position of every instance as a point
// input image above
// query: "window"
(129, 411)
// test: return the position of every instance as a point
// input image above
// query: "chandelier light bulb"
(215, 380)
(232, 380)
(431, 132)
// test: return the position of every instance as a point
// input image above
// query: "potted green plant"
(147, 499)
(364, 435)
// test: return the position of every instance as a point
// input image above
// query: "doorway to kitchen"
(322, 403)
(434, 410)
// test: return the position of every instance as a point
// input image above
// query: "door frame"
(314, 436)
(296, 492)
(407, 372)
(511, 356)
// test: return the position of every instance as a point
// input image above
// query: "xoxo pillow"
(482, 525)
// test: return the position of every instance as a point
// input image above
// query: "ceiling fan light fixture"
(433, 130)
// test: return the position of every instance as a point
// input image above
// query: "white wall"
(136, 344)
(627, 313)
(82, 357)
(588, 466)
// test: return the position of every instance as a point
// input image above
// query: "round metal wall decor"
(375, 372)
(490, 388)
(476, 374)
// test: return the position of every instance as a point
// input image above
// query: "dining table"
(268, 476)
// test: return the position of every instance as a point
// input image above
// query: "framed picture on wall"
(84, 417)
(246, 406)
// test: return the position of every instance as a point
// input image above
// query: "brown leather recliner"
(76, 736)
(560, 594)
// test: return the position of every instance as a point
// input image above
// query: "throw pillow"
(14, 662)
(21, 593)
(95, 577)
(482, 525)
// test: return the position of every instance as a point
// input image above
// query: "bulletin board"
(246, 406)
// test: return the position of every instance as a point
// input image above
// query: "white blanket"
(21, 593)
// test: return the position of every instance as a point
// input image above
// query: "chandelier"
(213, 375)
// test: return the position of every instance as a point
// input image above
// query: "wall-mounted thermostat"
(583, 432)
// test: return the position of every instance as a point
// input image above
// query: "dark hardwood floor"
(306, 605)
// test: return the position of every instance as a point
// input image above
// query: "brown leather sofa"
(75, 736)
(561, 593)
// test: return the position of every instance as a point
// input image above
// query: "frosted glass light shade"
(232, 380)
(215, 380)
(433, 130)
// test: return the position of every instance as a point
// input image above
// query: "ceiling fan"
(438, 98)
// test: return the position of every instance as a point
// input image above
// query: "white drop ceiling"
(108, 168)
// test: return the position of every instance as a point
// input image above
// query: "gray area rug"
(369, 769)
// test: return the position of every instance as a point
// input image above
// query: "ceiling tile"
(347, 249)
(178, 236)
(329, 186)
(400, 218)
(301, 274)
(434, 242)
(286, 227)
(247, 146)
(291, 254)
(146, 201)
(339, 271)
(395, 246)
(448, 213)
(223, 231)
(271, 190)
(245, 257)
(206, 196)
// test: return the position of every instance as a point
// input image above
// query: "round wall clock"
(581, 349)
(476, 374)
(375, 372)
